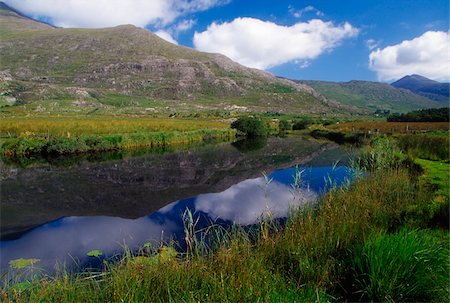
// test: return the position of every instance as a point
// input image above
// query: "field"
(54, 135)
(390, 127)
(82, 125)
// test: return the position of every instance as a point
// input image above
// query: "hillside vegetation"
(371, 97)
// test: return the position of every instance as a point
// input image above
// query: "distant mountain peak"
(423, 86)
(416, 77)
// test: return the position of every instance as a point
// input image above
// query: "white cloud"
(244, 203)
(166, 36)
(106, 13)
(263, 44)
(184, 25)
(299, 13)
(427, 55)
(371, 44)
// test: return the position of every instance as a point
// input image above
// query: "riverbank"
(377, 239)
(44, 136)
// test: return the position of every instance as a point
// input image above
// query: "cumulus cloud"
(427, 55)
(263, 44)
(106, 13)
(166, 36)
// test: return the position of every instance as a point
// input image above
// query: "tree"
(250, 126)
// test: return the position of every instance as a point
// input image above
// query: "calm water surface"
(57, 213)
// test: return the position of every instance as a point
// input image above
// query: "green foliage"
(250, 126)
(407, 266)
(339, 137)
(426, 146)
(94, 253)
(22, 263)
(381, 154)
(39, 146)
(423, 115)
(300, 124)
(284, 125)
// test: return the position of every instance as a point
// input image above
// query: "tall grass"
(407, 266)
(82, 125)
(431, 147)
(32, 145)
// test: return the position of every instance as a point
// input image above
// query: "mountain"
(126, 69)
(425, 87)
(369, 96)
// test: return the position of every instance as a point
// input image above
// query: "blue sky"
(334, 40)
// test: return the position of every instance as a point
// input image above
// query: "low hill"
(130, 68)
(371, 96)
(425, 87)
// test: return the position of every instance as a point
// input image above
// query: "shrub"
(300, 124)
(284, 125)
(250, 126)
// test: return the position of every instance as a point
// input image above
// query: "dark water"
(59, 213)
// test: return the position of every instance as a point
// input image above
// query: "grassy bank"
(369, 241)
(24, 137)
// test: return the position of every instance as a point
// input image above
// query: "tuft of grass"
(407, 266)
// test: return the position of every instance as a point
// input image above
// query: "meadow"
(54, 135)
(380, 238)
(390, 127)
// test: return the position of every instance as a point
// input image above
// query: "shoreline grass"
(369, 241)
(31, 145)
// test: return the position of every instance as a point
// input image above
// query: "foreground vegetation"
(377, 239)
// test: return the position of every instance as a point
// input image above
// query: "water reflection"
(68, 239)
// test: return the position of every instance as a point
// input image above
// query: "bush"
(250, 126)
(410, 265)
(300, 124)
(284, 125)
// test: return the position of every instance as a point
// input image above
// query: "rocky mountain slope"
(369, 96)
(126, 66)
(425, 87)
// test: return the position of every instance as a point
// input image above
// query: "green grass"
(427, 146)
(29, 145)
(407, 266)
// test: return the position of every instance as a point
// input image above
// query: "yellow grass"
(79, 125)
(390, 127)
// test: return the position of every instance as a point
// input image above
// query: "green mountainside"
(126, 69)
(371, 96)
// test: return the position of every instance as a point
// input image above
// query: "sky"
(330, 40)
